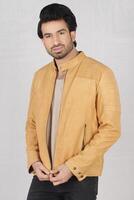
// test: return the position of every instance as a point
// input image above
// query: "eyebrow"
(63, 29)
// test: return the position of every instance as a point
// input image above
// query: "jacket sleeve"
(108, 115)
(32, 149)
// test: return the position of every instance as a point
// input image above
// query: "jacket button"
(81, 176)
(74, 168)
(79, 172)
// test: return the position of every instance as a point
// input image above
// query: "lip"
(58, 48)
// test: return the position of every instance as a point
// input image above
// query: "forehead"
(53, 26)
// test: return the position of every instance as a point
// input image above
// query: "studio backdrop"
(106, 33)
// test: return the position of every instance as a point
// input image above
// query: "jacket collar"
(70, 63)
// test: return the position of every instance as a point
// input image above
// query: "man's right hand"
(41, 171)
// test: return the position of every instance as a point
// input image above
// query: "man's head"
(57, 29)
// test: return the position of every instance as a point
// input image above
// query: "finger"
(51, 177)
(45, 170)
(43, 179)
(53, 174)
(56, 178)
(58, 182)
(42, 176)
(54, 171)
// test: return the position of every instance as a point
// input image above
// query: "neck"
(69, 56)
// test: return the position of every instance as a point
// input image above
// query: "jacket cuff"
(75, 170)
(33, 157)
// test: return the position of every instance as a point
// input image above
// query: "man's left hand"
(63, 175)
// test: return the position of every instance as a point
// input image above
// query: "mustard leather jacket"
(89, 120)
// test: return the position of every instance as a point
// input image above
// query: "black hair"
(57, 11)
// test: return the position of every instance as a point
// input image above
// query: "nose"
(56, 40)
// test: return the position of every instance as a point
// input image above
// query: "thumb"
(61, 167)
(43, 168)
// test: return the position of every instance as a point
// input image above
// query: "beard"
(62, 52)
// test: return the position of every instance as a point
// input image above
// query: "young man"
(73, 116)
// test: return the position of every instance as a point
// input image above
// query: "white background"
(106, 33)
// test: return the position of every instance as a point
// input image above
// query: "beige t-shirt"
(54, 114)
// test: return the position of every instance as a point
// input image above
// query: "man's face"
(57, 39)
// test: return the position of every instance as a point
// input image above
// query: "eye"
(62, 32)
(47, 36)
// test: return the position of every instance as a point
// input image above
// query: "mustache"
(59, 45)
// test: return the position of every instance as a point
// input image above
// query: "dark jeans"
(87, 189)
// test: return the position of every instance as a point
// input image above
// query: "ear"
(73, 35)
(42, 40)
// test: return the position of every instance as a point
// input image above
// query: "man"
(73, 116)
